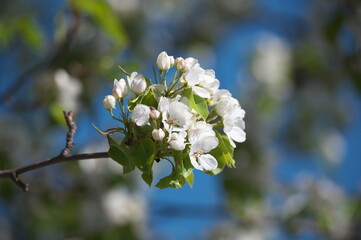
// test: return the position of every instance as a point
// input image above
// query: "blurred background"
(294, 65)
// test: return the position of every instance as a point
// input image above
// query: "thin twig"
(70, 135)
(64, 156)
(14, 173)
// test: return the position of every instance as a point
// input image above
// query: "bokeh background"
(294, 65)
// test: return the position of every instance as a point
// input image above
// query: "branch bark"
(64, 156)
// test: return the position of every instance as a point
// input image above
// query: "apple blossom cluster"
(186, 120)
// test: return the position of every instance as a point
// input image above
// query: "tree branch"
(64, 156)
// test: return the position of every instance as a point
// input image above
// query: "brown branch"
(70, 135)
(64, 156)
(14, 173)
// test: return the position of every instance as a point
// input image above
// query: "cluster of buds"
(187, 121)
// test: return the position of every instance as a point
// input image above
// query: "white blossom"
(202, 82)
(140, 115)
(158, 134)
(137, 83)
(109, 102)
(175, 115)
(234, 126)
(177, 140)
(202, 139)
(164, 62)
(120, 88)
(218, 95)
(226, 105)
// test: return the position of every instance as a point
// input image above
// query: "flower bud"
(171, 60)
(181, 65)
(137, 83)
(164, 62)
(154, 113)
(109, 102)
(158, 134)
(120, 88)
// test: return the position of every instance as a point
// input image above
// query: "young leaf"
(143, 154)
(174, 180)
(132, 103)
(183, 163)
(190, 179)
(187, 167)
(223, 153)
(197, 103)
(121, 154)
(149, 99)
(148, 177)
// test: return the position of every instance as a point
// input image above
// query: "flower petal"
(208, 143)
(208, 162)
(195, 163)
(201, 92)
(140, 114)
(237, 134)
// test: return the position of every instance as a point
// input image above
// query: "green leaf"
(183, 163)
(174, 180)
(187, 167)
(190, 179)
(149, 99)
(197, 103)
(143, 154)
(121, 154)
(182, 172)
(148, 177)
(223, 153)
(133, 102)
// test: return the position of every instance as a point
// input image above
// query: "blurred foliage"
(87, 39)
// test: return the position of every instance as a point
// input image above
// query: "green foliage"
(121, 154)
(223, 153)
(147, 176)
(197, 103)
(146, 98)
(174, 180)
(143, 154)
(181, 172)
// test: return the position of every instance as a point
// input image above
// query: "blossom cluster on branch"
(186, 120)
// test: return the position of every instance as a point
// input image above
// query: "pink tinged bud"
(109, 102)
(182, 65)
(178, 59)
(154, 113)
(120, 89)
(158, 134)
